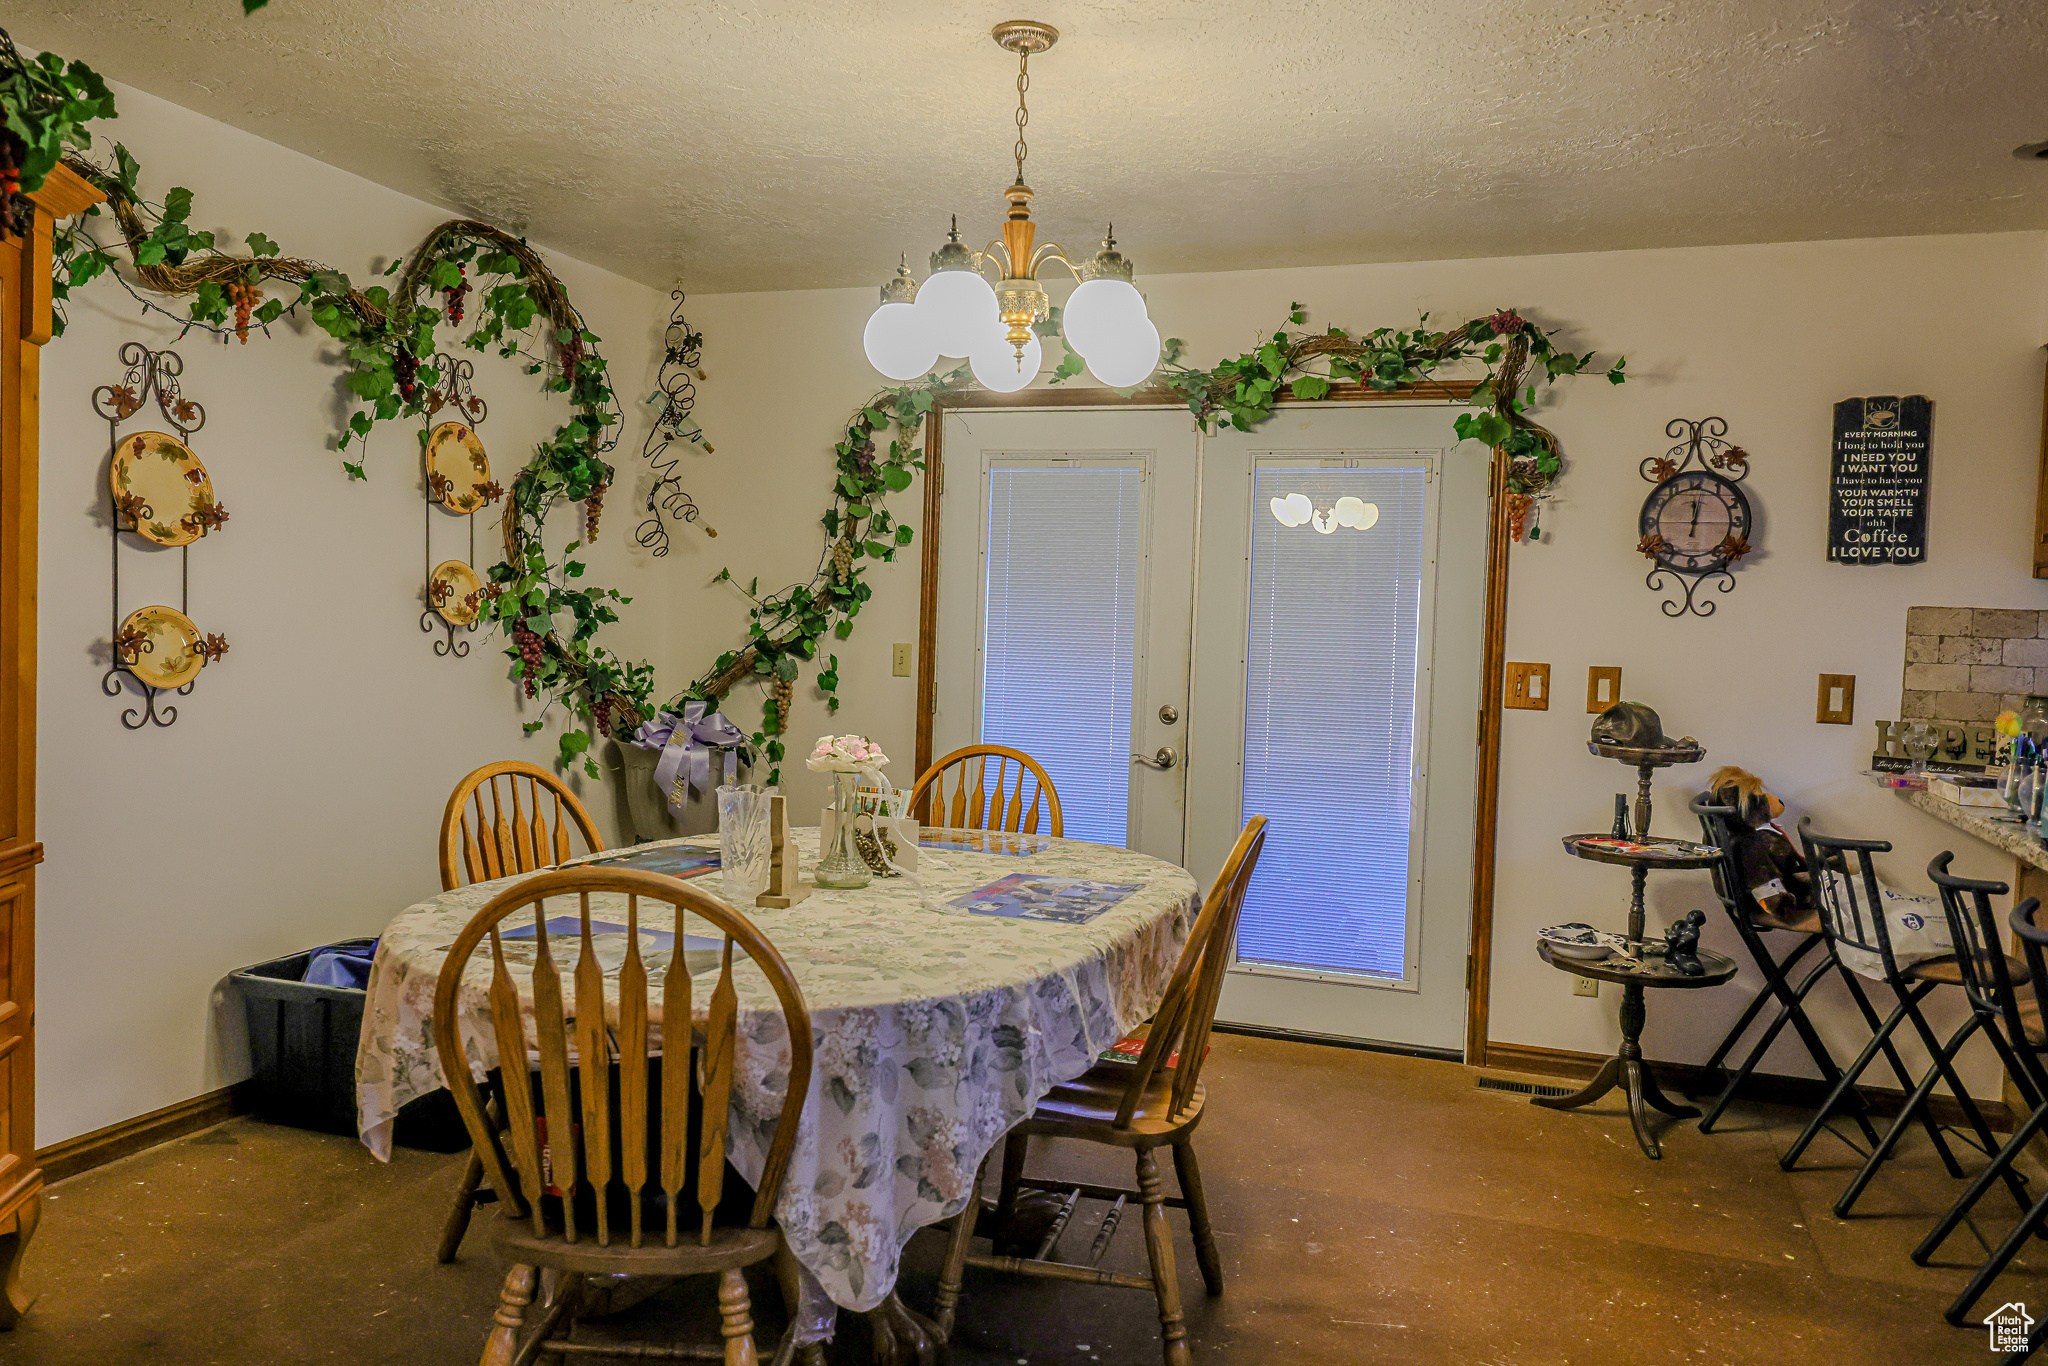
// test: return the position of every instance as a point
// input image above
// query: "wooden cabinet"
(24, 327)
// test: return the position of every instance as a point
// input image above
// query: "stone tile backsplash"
(1971, 663)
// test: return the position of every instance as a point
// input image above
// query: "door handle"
(1166, 758)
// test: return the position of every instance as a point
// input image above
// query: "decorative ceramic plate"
(161, 486)
(457, 469)
(455, 592)
(1581, 941)
(168, 654)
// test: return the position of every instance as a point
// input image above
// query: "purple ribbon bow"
(686, 739)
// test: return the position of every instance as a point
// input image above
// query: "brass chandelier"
(956, 312)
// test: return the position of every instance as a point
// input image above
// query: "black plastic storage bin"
(302, 1051)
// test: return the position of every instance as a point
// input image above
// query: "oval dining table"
(937, 1030)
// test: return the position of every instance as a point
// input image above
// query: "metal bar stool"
(1752, 922)
(2003, 995)
(1845, 889)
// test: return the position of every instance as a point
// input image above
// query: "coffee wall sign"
(1877, 496)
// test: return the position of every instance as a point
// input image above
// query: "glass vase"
(743, 841)
(839, 862)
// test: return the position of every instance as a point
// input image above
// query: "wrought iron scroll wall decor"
(157, 491)
(454, 592)
(1696, 523)
(677, 394)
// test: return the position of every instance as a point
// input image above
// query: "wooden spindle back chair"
(1188, 1010)
(977, 803)
(1155, 1104)
(510, 817)
(593, 1148)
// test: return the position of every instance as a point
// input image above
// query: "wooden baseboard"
(101, 1146)
(1769, 1087)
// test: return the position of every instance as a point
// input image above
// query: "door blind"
(1329, 742)
(1060, 629)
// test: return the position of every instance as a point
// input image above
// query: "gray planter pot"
(647, 806)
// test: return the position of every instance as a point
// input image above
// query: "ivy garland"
(788, 628)
(384, 332)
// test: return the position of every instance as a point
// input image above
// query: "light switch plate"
(900, 663)
(1603, 688)
(1836, 705)
(1527, 687)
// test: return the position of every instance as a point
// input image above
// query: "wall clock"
(1696, 522)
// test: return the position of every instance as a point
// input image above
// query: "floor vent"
(1523, 1088)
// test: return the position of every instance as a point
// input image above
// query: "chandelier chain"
(1023, 114)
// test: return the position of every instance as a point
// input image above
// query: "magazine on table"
(677, 860)
(1033, 896)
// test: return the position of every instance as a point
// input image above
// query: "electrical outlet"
(900, 662)
(1585, 986)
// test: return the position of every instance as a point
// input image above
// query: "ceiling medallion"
(956, 312)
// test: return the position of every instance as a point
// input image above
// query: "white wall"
(298, 797)
(1769, 337)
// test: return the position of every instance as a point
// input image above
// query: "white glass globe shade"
(899, 343)
(1096, 311)
(994, 362)
(1292, 510)
(1356, 513)
(959, 307)
(1127, 356)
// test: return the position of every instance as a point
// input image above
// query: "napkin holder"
(786, 886)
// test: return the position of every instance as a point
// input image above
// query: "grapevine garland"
(385, 331)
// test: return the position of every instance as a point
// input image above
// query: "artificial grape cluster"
(10, 186)
(244, 296)
(593, 509)
(842, 560)
(406, 368)
(785, 698)
(456, 293)
(529, 656)
(864, 460)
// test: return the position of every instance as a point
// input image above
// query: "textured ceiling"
(737, 146)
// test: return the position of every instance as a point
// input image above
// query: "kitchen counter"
(1976, 820)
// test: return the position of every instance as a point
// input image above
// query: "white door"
(1104, 570)
(1064, 608)
(1337, 694)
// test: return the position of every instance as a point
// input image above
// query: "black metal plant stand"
(148, 375)
(1645, 967)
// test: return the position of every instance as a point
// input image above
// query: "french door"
(1188, 631)
(1065, 599)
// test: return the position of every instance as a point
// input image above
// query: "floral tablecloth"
(935, 1033)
